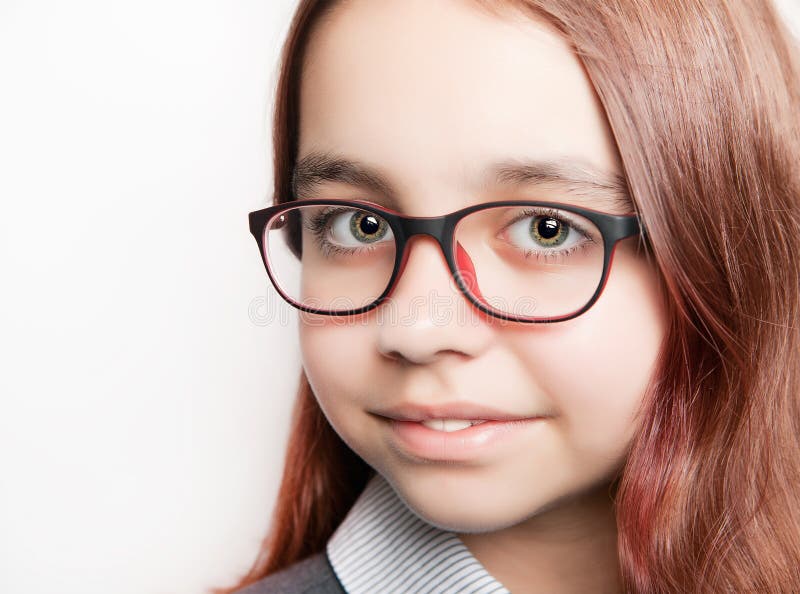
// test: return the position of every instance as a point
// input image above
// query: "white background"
(144, 397)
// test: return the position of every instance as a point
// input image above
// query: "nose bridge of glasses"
(433, 226)
(441, 230)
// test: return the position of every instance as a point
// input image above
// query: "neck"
(570, 548)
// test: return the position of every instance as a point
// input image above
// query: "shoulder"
(312, 575)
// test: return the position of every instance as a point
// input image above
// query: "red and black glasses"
(524, 261)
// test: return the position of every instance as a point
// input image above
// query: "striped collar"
(382, 546)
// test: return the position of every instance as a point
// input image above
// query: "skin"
(445, 88)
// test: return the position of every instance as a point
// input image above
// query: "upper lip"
(408, 411)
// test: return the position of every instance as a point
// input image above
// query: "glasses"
(522, 261)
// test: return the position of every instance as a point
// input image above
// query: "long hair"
(703, 99)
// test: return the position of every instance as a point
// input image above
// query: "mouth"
(462, 411)
(458, 440)
(450, 425)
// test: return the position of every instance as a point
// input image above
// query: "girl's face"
(431, 94)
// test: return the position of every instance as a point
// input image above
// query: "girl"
(545, 257)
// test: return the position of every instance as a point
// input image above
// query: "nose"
(426, 317)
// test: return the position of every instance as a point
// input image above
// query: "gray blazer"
(313, 575)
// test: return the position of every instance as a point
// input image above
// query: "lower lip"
(462, 445)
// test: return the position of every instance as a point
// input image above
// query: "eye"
(543, 231)
(354, 228)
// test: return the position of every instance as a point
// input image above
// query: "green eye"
(548, 231)
(367, 227)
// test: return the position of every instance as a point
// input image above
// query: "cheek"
(595, 369)
(336, 355)
(329, 345)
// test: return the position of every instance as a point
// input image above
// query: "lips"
(481, 441)
(461, 410)
(449, 425)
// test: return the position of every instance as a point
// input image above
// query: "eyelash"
(318, 225)
(545, 254)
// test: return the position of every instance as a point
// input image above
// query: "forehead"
(431, 91)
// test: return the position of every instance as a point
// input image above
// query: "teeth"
(449, 425)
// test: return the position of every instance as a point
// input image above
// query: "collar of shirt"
(382, 546)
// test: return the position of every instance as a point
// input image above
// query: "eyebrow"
(587, 184)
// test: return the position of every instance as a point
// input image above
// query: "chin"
(468, 517)
(468, 523)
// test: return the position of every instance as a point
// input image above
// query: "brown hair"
(703, 98)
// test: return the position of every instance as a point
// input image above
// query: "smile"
(449, 425)
(458, 440)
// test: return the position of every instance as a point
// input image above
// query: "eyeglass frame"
(613, 229)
